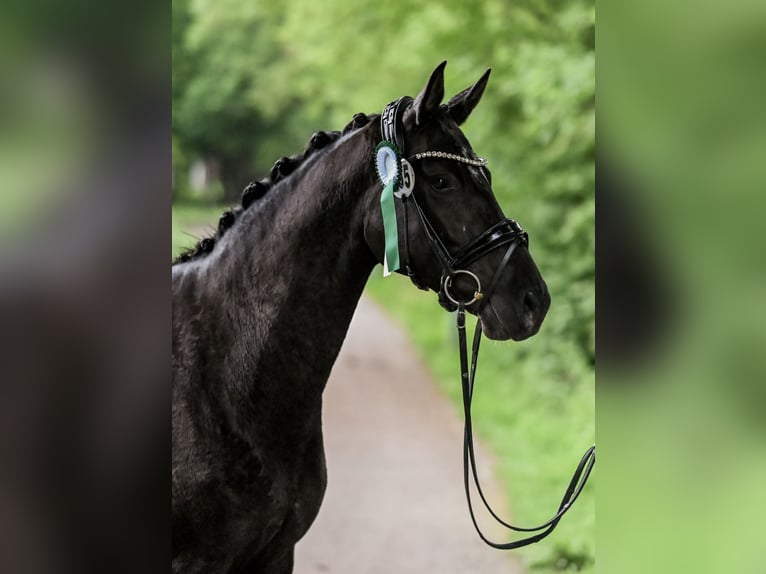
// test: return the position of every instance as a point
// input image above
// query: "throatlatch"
(397, 176)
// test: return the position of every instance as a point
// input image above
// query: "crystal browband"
(478, 162)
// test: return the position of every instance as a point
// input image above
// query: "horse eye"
(440, 183)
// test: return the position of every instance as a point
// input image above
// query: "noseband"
(504, 233)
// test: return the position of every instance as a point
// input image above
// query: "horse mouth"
(508, 324)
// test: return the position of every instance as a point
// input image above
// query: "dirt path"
(394, 501)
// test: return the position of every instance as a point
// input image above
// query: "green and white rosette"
(388, 167)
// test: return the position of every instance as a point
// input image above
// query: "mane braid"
(255, 190)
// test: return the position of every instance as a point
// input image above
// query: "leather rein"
(506, 232)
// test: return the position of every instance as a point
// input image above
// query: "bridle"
(506, 233)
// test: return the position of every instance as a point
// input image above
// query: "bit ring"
(448, 281)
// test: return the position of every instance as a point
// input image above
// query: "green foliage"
(253, 80)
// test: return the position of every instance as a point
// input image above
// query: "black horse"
(260, 312)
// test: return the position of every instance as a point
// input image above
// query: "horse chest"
(253, 508)
(301, 485)
(268, 518)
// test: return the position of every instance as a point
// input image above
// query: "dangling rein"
(398, 179)
(468, 378)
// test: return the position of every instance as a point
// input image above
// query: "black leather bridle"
(504, 233)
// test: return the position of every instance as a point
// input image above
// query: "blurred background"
(681, 376)
(85, 192)
(252, 80)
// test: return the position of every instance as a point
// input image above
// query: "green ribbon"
(391, 262)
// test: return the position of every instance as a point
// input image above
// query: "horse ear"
(461, 105)
(431, 97)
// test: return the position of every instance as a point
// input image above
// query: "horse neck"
(311, 247)
(287, 278)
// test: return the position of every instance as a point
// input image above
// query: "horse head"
(452, 234)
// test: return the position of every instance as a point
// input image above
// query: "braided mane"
(255, 190)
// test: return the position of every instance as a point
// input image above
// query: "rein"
(506, 232)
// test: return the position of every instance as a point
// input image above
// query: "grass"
(533, 405)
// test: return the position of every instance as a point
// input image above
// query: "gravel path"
(394, 501)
